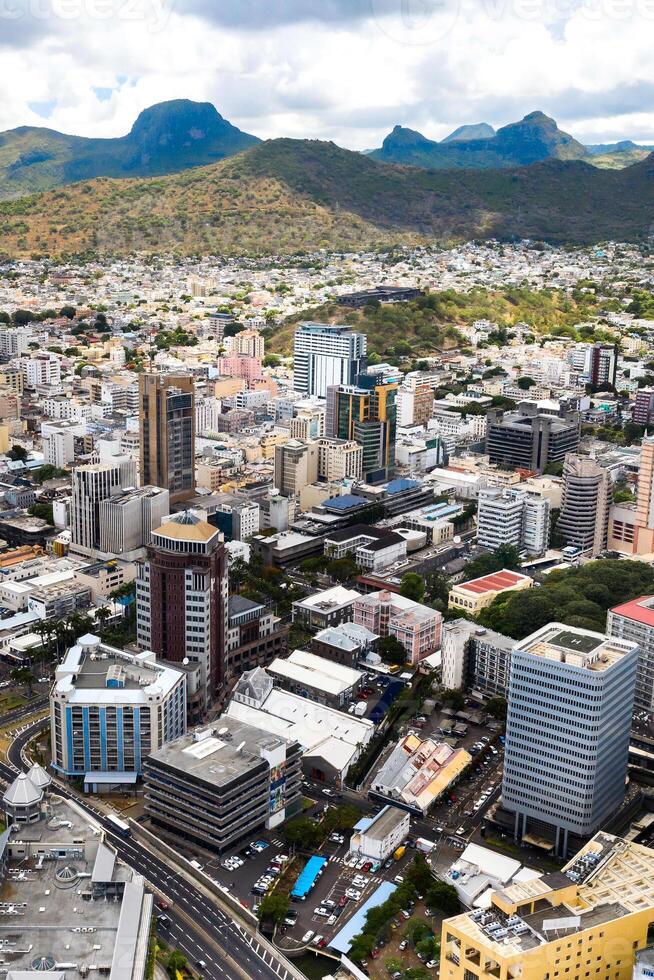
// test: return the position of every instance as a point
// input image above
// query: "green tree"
(24, 677)
(525, 382)
(443, 897)
(453, 698)
(412, 586)
(272, 360)
(23, 317)
(437, 587)
(304, 832)
(176, 963)
(497, 708)
(17, 453)
(342, 569)
(44, 511)
(68, 312)
(506, 556)
(273, 907)
(391, 650)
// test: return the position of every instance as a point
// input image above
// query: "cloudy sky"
(346, 70)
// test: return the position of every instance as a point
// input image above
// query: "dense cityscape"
(327, 614)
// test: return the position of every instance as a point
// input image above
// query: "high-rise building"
(597, 362)
(571, 698)
(128, 518)
(58, 441)
(529, 438)
(326, 354)
(634, 621)
(93, 483)
(110, 709)
(643, 412)
(631, 526)
(367, 414)
(339, 459)
(42, 369)
(587, 494)
(415, 405)
(250, 343)
(603, 364)
(167, 421)
(181, 597)
(513, 517)
(296, 465)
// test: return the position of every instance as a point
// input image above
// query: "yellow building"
(582, 923)
(4, 438)
(475, 595)
(12, 377)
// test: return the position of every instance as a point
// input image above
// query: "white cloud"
(335, 69)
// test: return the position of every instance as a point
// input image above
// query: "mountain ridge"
(535, 137)
(165, 138)
(284, 196)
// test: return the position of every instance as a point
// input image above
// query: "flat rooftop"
(218, 754)
(385, 821)
(110, 673)
(49, 915)
(576, 647)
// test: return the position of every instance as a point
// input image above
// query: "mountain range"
(165, 138)
(534, 138)
(286, 196)
(175, 136)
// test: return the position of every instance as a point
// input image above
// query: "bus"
(119, 826)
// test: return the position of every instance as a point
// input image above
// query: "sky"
(343, 70)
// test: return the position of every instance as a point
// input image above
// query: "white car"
(316, 940)
(308, 936)
(328, 792)
(353, 894)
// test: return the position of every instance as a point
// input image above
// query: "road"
(16, 714)
(201, 929)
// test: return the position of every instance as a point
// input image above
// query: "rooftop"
(575, 647)
(221, 753)
(317, 672)
(49, 917)
(111, 674)
(186, 527)
(330, 598)
(641, 610)
(495, 582)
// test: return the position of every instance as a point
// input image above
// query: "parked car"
(308, 936)
(404, 944)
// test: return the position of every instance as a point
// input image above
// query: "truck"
(399, 853)
(360, 709)
(424, 845)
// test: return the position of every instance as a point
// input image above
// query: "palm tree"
(101, 616)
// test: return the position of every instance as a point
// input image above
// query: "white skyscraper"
(326, 354)
(92, 484)
(515, 517)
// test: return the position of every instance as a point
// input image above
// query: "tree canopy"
(578, 596)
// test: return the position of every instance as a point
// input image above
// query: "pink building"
(241, 366)
(418, 628)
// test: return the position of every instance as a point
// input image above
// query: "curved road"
(201, 929)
